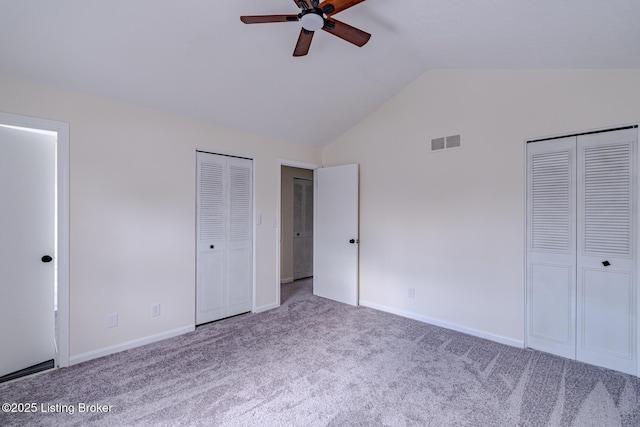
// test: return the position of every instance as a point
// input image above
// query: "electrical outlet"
(112, 320)
(155, 310)
(412, 292)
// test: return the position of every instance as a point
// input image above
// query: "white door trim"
(62, 159)
(293, 164)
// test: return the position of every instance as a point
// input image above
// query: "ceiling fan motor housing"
(312, 20)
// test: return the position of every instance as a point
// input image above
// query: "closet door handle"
(606, 263)
(46, 258)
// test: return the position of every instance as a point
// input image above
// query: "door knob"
(352, 241)
(606, 263)
(46, 258)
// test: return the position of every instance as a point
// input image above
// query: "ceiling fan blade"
(331, 7)
(346, 32)
(263, 19)
(304, 43)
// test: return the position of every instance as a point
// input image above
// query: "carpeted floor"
(315, 362)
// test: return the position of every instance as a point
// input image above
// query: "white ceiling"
(195, 57)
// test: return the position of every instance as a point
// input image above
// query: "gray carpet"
(314, 362)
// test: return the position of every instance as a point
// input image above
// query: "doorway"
(335, 228)
(36, 282)
(296, 252)
(296, 224)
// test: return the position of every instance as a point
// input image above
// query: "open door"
(27, 251)
(336, 234)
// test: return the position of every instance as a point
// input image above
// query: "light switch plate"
(112, 320)
(155, 310)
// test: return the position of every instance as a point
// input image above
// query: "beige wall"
(286, 214)
(132, 211)
(451, 224)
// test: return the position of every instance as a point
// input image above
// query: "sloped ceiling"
(195, 57)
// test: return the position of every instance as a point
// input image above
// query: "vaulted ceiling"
(195, 57)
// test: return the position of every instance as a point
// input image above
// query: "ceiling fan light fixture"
(312, 21)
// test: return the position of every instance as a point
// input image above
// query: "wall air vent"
(445, 143)
(437, 144)
(453, 141)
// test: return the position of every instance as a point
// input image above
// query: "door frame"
(636, 242)
(62, 226)
(293, 164)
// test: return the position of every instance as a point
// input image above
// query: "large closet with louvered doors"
(224, 235)
(581, 247)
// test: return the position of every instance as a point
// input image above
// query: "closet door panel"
(211, 238)
(551, 261)
(607, 307)
(302, 228)
(211, 289)
(606, 294)
(551, 303)
(240, 255)
(240, 286)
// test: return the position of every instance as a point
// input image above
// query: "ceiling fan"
(316, 16)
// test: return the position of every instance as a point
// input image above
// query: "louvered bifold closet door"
(211, 274)
(307, 270)
(606, 270)
(240, 242)
(298, 228)
(551, 243)
(302, 228)
(224, 233)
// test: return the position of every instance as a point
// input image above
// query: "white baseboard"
(74, 360)
(286, 280)
(266, 307)
(480, 334)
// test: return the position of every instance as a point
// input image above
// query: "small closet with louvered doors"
(581, 247)
(224, 235)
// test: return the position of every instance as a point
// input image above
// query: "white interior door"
(27, 230)
(551, 246)
(302, 228)
(224, 232)
(211, 238)
(240, 236)
(606, 272)
(336, 234)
